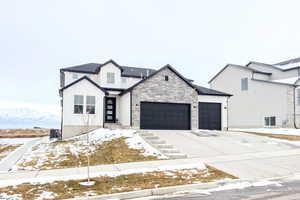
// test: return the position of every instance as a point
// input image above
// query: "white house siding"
(261, 76)
(102, 76)
(74, 124)
(276, 73)
(125, 109)
(69, 77)
(224, 106)
(297, 106)
(248, 108)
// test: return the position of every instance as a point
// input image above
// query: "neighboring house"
(105, 94)
(264, 95)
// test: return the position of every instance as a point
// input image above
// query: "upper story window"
(298, 97)
(110, 77)
(124, 80)
(244, 84)
(90, 104)
(166, 78)
(75, 76)
(78, 104)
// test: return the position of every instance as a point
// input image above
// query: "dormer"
(109, 75)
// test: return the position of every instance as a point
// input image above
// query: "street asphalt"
(285, 191)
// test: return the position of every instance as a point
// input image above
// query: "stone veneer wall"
(156, 89)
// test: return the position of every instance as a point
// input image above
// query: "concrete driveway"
(243, 155)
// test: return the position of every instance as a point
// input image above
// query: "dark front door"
(210, 116)
(110, 109)
(167, 116)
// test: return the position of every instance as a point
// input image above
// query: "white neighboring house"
(264, 95)
(109, 94)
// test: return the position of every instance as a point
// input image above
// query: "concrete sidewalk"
(246, 166)
(9, 161)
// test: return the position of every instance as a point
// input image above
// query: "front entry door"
(110, 109)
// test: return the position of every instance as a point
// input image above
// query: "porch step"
(157, 142)
(161, 145)
(151, 137)
(145, 134)
(176, 155)
(164, 146)
(168, 151)
(113, 125)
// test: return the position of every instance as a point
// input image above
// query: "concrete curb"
(173, 189)
(157, 191)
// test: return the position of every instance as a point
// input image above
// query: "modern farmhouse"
(99, 95)
(264, 95)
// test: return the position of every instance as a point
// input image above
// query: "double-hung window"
(90, 104)
(244, 84)
(110, 77)
(78, 104)
(270, 121)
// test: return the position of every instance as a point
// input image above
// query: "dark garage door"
(210, 116)
(167, 116)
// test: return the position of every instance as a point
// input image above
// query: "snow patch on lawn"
(51, 179)
(232, 186)
(134, 141)
(15, 140)
(281, 131)
(45, 151)
(46, 195)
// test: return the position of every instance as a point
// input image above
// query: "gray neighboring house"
(264, 95)
(108, 94)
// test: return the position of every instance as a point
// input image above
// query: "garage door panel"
(168, 116)
(210, 116)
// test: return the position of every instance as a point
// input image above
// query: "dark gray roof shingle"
(206, 91)
(136, 72)
(93, 68)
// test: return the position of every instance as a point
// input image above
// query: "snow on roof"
(288, 66)
(292, 80)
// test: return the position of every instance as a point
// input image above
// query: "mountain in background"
(23, 115)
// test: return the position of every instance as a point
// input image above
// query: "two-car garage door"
(174, 116)
(165, 116)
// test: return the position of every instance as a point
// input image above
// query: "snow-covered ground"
(281, 131)
(46, 152)
(15, 140)
(232, 186)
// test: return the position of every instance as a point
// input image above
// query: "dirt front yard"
(23, 133)
(117, 184)
(5, 149)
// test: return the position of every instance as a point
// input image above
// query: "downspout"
(130, 109)
(295, 124)
(62, 113)
(103, 117)
(227, 114)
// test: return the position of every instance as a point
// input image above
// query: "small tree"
(87, 130)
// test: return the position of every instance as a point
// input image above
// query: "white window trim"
(90, 104)
(112, 76)
(78, 105)
(244, 84)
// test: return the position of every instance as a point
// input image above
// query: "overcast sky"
(197, 37)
